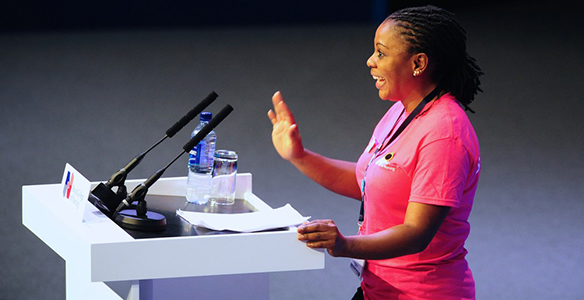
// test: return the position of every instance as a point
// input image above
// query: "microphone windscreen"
(191, 114)
(207, 128)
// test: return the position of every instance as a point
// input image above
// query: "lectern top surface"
(176, 226)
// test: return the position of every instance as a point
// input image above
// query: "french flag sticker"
(68, 185)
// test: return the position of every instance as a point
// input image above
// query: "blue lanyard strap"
(385, 144)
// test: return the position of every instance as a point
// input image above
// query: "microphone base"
(105, 199)
(128, 219)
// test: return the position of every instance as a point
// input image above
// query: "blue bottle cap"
(206, 116)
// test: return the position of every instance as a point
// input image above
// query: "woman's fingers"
(320, 230)
(316, 225)
(272, 117)
(281, 110)
(322, 234)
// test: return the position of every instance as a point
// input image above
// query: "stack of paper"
(246, 222)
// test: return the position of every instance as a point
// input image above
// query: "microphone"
(191, 114)
(103, 196)
(141, 218)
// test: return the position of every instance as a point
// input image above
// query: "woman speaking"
(417, 177)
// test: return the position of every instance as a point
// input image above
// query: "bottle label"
(201, 156)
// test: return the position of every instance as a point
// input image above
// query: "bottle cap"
(206, 116)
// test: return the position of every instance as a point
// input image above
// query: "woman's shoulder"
(390, 116)
(445, 109)
(445, 117)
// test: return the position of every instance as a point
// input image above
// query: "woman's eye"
(380, 54)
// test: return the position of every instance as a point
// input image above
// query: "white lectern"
(103, 261)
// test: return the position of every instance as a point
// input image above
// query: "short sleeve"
(440, 174)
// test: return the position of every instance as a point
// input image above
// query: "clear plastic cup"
(224, 175)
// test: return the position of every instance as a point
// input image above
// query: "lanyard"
(381, 146)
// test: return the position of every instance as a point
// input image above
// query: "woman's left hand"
(323, 234)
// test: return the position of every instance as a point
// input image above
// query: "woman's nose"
(371, 61)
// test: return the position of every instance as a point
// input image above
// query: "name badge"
(357, 266)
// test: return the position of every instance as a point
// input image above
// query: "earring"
(417, 72)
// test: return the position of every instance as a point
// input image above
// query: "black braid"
(434, 31)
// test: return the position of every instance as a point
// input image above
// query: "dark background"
(94, 83)
(92, 14)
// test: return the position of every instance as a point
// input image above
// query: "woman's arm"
(335, 175)
(419, 227)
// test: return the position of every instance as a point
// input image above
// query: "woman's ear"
(419, 63)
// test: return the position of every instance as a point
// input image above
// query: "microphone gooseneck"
(139, 193)
(103, 196)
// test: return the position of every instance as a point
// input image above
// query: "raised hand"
(285, 135)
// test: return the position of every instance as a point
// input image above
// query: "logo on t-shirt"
(385, 162)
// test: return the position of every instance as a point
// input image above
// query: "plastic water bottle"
(201, 164)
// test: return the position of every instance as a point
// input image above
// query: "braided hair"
(434, 31)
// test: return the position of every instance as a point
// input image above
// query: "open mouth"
(378, 80)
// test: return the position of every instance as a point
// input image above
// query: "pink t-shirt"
(436, 161)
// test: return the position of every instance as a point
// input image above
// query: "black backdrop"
(97, 87)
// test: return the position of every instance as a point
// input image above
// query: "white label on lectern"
(75, 190)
